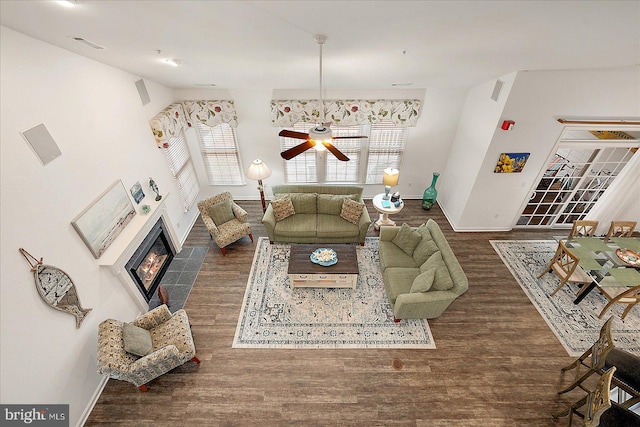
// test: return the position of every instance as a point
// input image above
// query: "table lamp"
(259, 170)
(389, 179)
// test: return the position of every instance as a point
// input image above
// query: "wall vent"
(87, 42)
(496, 90)
(142, 91)
(42, 143)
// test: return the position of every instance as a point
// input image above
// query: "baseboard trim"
(470, 229)
(92, 402)
(186, 235)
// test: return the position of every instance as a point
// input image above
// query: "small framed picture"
(137, 193)
(511, 162)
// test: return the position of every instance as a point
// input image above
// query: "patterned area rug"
(576, 326)
(275, 316)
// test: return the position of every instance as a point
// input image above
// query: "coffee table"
(304, 273)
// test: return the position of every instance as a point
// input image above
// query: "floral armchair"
(225, 220)
(172, 346)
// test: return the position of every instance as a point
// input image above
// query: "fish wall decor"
(56, 288)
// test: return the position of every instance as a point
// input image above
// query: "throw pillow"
(442, 281)
(304, 203)
(221, 212)
(282, 208)
(407, 239)
(423, 282)
(351, 211)
(136, 340)
(426, 247)
(331, 204)
(432, 262)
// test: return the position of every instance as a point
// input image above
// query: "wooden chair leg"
(224, 251)
(143, 388)
(395, 319)
(251, 237)
(195, 359)
(361, 243)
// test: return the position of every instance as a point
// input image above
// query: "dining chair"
(620, 295)
(583, 228)
(565, 265)
(596, 355)
(597, 402)
(621, 229)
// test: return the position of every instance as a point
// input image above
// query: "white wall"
(536, 100)
(95, 115)
(473, 137)
(427, 146)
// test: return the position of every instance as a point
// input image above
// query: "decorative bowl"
(629, 257)
(324, 257)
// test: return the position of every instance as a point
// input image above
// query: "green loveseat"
(401, 268)
(317, 215)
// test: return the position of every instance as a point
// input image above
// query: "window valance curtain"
(181, 115)
(402, 112)
(211, 113)
(168, 123)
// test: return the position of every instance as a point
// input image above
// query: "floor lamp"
(258, 170)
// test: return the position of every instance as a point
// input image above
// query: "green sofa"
(401, 267)
(317, 215)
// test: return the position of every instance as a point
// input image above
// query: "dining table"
(600, 260)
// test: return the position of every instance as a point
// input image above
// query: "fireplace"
(150, 261)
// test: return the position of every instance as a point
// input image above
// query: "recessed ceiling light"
(66, 3)
(173, 62)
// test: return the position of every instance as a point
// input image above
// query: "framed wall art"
(137, 193)
(511, 162)
(105, 218)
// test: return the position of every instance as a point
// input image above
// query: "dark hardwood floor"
(496, 363)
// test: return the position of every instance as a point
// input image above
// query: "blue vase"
(430, 194)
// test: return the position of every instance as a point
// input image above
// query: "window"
(386, 147)
(382, 149)
(220, 154)
(182, 169)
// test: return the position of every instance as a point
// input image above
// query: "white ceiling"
(270, 44)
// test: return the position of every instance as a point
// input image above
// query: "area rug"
(576, 326)
(275, 316)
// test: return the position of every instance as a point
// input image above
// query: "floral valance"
(168, 123)
(402, 112)
(181, 115)
(211, 113)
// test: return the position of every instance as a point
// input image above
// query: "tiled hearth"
(180, 277)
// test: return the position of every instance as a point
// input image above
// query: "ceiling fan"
(320, 136)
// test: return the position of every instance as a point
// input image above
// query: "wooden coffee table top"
(299, 261)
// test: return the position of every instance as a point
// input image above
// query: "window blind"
(220, 154)
(383, 149)
(387, 143)
(182, 169)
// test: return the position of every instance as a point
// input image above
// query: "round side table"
(385, 211)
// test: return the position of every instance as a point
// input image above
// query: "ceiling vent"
(88, 43)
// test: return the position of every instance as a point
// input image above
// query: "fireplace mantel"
(121, 250)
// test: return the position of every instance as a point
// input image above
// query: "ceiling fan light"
(320, 133)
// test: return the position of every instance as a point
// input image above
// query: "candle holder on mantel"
(430, 194)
